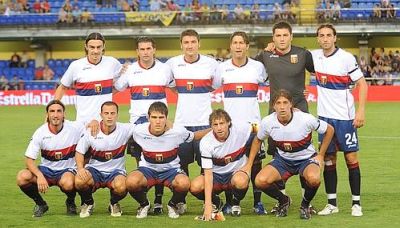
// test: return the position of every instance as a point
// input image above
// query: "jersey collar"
(198, 59)
(143, 67)
(245, 63)
(334, 52)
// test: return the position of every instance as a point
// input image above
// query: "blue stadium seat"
(3, 63)
(58, 63)
(31, 63)
(66, 62)
(51, 63)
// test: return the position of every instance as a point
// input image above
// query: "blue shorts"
(103, 180)
(54, 176)
(345, 138)
(134, 149)
(188, 152)
(155, 178)
(288, 168)
(222, 182)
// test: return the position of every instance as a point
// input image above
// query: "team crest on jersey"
(98, 88)
(324, 79)
(108, 155)
(294, 59)
(239, 89)
(58, 155)
(228, 159)
(189, 86)
(146, 92)
(287, 146)
(159, 158)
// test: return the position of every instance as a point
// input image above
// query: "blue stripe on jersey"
(248, 93)
(101, 156)
(92, 92)
(332, 85)
(151, 96)
(197, 89)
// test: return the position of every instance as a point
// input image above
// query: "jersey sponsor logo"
(181, 65)
(274, 56)
(145, 92)
(229, 69)
(137, 72)
(87, 68)
(189, 86)
(288, 146)
(98, 88)
(239, 89)
(46, 137)
(294, 59)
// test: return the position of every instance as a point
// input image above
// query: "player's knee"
(23, 177)
(351, 158)
(67, 185)
(197, 185)
(133, 182)
(262, 182)
(181, 183)
(240, 181)
(119, 187)
(80, 184)
(313, 180)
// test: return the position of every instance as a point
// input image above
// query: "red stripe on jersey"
(332, 78)
(294, 145)
(94, 84)
(196, 82)
(243, 86)
(149, 89)
(102, 153)
(229, 157)
(164, 154)
(65, 151)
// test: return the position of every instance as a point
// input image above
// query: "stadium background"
(379, 139)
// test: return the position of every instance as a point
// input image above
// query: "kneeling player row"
(225, 153)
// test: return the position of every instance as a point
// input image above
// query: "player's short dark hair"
(282, 25)
(283, 93)
(95, 36)
(241, 34)
(109, 103)
(190, 32)
(158, 106)
(219, 114)
(55, 102)
(145, 39)
(329, 26)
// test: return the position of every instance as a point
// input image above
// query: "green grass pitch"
(379, 161)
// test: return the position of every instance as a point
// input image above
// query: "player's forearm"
(255, 147)
(327, 140)
(362, 96)
(30, 164)
(208, 186)
(200, 134)
(80, 160)
(59, 92)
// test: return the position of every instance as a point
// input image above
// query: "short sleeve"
(262, 133)
(122, 82)
(68, 78)
(353, 69)
(316, 124)
(309, 62)
(206, 154)
(34, 146)
(83, 143)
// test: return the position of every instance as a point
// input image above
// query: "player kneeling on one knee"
(291, 131)
(223, 155)
(159, 162)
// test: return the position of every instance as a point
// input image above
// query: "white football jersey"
(57, 150)
(293, 140)
(334, 75)
(228, 156)
(160, 153)
(194, 82)
(146, 86)
(240, 87)
(107, 151)
(93, 85)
